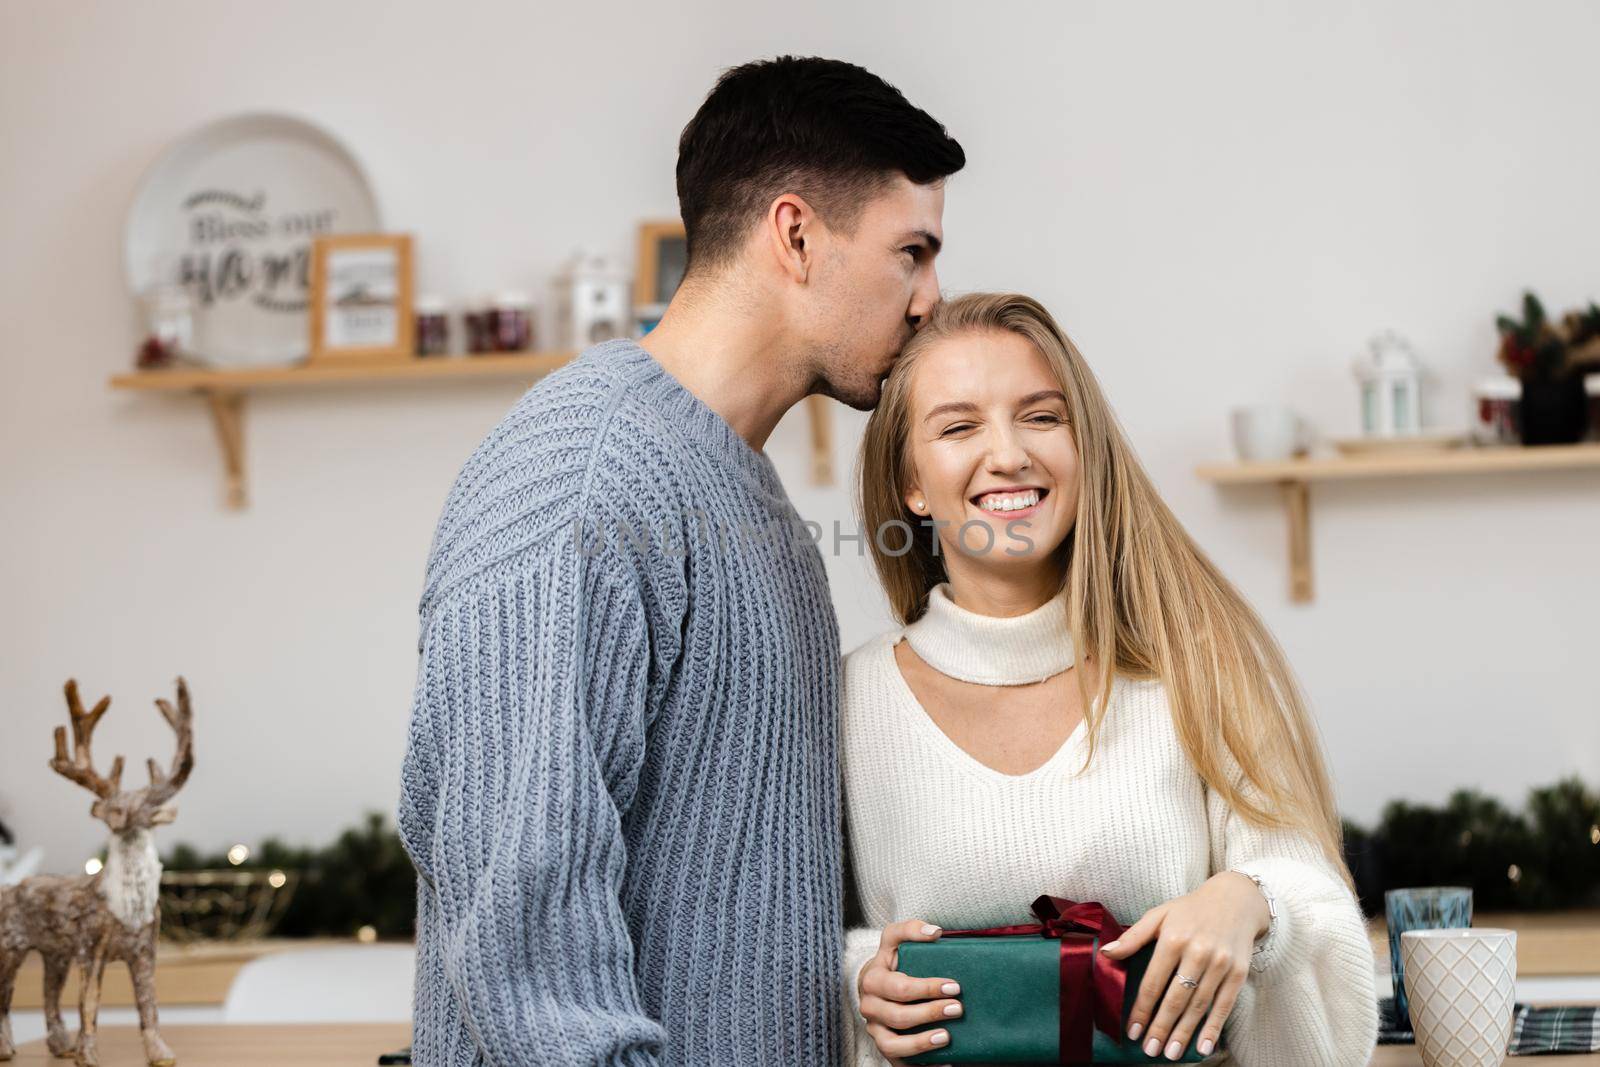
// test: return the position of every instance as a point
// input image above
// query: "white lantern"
(1391, 387)
(591, 299)
(14, 869)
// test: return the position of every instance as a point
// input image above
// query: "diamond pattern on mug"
(1463, 984)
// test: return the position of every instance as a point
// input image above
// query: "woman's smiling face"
(991, 446)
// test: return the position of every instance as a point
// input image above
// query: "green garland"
(1545, 858)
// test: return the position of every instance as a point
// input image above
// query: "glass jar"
(1497, 404)
(169, 321)
(511, 322)
(476, 321)
(433, 327)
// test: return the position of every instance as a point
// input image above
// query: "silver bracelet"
(1272, 922)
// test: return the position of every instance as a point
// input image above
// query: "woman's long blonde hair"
(1140, 593)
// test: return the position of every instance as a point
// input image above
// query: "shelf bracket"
(227, 415)
(1297, 503)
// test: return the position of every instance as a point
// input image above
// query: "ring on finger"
(1186, 981)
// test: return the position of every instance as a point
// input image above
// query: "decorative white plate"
(228, 212)
(1428, 441)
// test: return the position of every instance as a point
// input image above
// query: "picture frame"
(361, 298)
(663, 256)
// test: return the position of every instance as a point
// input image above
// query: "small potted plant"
(1582, 331)
(1549, 359)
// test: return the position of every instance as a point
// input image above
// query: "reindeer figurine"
(94, 918)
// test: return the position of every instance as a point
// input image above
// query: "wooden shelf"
(184, 379)
(1295, 477)
(1395, 465)
(224, 388)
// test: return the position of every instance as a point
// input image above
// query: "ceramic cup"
(1268, 433)
(1462, 987)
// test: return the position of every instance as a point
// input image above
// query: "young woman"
(1078, 703)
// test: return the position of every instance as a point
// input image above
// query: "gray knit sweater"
(620, 787)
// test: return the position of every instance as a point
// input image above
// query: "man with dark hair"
(620, 786)
(812, 195)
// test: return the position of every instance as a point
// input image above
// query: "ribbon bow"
(1081, 928)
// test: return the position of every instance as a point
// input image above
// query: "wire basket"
(223, 905)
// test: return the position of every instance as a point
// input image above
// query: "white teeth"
(1009, 501)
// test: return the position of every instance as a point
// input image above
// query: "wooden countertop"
(221, 1045)
(1548, 943)
(1562, 943)
(1406, 1056)
(359, 1044)
(197, 974)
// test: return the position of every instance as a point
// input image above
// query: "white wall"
(1221, 201)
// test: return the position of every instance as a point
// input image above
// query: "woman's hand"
(893, 1001)
(1207, 936)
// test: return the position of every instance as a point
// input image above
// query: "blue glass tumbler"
(1423, 908)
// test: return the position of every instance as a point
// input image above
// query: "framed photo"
(361, 298)
(663, 255)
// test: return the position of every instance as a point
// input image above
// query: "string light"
(276, 879)
(1514, 873)
(238, 854)
(1594, 834)
(366, 935)
(93, 866)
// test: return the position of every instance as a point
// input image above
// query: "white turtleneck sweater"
(936, 835)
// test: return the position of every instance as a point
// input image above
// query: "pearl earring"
(920, 505)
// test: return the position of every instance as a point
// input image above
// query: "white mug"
(1462, 985)
(1269, 433)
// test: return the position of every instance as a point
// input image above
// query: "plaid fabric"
(1571, 1028)
(1389, 1033)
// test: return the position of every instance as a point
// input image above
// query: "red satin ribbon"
(1080, 928)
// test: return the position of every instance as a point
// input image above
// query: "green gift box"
(1040, 993)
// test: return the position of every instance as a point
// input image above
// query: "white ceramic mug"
(1462, 985)
(1268, 433)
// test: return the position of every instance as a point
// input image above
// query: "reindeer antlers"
(80, 767)
(163, 786)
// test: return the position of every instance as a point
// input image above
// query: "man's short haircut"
(830, 131)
